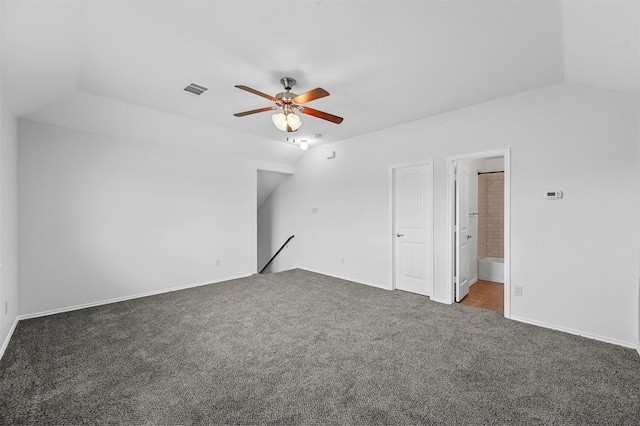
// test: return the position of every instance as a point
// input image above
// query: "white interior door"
(462, 231)
(413, 228)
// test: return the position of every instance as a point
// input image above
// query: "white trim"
(392, 260)
(493, 278)
(506, 154)
(275, 167)
(574, 332)
(122, 299)
(6, 341)
(473, 281)
(431, 224)
(507, 233)
(451, 177)
(347, 279)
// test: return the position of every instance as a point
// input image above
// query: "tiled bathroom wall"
(482, 216)
(491, 215)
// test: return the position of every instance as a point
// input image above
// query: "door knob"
(469, 236)
(399, 235)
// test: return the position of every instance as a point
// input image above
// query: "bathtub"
(491, 269)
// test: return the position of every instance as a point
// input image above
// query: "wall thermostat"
(553, 195)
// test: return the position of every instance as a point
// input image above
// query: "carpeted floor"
(303, 348)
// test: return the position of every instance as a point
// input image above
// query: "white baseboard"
(122, 299)
(577, 332)
(439, 300)
(493, 278)
(342, 277)
(473, 281)
(6, 341)
(346, 278)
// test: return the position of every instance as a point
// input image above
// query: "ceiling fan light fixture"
(280, 121)
(304, 145)
(288, 122)
(294, 121)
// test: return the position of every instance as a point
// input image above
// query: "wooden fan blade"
(311, 95)
(254, 111)
(255, 92)
(320, 114)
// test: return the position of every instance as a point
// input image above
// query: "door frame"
(392, 221)
(451, 163)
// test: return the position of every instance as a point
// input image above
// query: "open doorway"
(479, 217)
(267, 182)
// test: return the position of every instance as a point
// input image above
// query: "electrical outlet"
(218, 263)
(314, 210)
(342, 260)
(517, 290)
(6, 307)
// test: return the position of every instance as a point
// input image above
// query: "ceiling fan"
(288, 102)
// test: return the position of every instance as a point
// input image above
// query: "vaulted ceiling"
(384, 62)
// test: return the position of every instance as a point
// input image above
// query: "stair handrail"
(277, 253)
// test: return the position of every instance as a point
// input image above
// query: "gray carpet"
(303, 348)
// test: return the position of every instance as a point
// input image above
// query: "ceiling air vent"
(196, 89)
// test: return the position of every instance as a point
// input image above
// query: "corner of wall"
(8, 223)
(5, 343)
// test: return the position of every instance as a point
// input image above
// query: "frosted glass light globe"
(294, 121)
(280, 121)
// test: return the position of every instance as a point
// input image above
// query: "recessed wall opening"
(267, 182)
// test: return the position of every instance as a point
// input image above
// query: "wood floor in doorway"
(486, 295)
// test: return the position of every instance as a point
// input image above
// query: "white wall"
(576, 259)
(8, 223)
(265, 242)
(103, 217)
(494, 164)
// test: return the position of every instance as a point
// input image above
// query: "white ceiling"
(384, 63)
(602, 44)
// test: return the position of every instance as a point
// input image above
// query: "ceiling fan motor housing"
(286, 97)
(288, 83)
